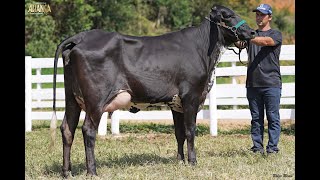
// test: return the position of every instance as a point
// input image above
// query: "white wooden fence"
(233, 94)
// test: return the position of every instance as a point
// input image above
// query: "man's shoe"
(254, 150)
(272, 152)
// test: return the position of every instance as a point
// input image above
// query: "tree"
(43, 32)
(73, 16)
(175, 14)
(39, 33)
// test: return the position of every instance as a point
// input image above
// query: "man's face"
(262, 19)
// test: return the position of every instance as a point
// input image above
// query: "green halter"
(239, 24)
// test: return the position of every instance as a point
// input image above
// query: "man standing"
(264, 81)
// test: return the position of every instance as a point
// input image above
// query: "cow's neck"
(208, 41)
(213, 46)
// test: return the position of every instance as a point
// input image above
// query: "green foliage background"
(43, 32)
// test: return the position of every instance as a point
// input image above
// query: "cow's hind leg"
(68, 127)
(89, 129)
(179, 133)
(70, 120)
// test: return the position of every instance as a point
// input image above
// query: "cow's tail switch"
(53, 127)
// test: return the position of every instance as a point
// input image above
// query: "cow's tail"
(74, 40)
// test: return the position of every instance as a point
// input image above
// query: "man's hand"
(241, 44)
(253, 36)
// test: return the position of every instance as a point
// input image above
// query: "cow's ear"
(215, 14)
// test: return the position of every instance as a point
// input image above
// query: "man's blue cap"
(264, 8)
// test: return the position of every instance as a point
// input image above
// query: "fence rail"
(38, 102)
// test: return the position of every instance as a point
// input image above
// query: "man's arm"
(263, 41)
(258, 40)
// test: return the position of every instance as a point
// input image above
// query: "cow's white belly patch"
(123, 100)
(174, 104)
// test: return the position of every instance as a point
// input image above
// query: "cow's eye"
(228, 16)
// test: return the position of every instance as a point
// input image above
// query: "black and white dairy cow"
(105, 71)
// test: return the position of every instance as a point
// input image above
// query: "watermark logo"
(39, 8)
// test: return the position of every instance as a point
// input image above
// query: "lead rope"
(240, 49)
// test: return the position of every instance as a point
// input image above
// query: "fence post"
(28, 95)
(234, 81)
(292, 115)
(213, 109)
(102, 129)
(39, 84)
(115, 123)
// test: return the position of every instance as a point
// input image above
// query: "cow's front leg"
(179, 133)
(89, 138)
(190, 108)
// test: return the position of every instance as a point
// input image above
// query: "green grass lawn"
(148, 150)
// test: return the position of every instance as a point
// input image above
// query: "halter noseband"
(232, 29)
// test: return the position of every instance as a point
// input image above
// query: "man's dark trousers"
(269, 98)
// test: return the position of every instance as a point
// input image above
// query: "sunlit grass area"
(148, 151)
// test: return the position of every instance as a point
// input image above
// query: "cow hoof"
(181, 162)
(193, 163)
(66, 174)
(180, 157)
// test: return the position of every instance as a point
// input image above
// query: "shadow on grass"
(124, 161)
(289, 129)
(56, 168)
(136, 160)
(146, 128)
(201, 129)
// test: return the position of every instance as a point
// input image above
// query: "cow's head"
(231, 25)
